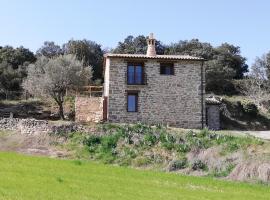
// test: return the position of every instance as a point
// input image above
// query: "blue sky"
(245, 23)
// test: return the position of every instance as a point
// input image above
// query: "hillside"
(191, 152)
(27, 177)
(240, 113)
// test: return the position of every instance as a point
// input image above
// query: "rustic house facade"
(153, 89)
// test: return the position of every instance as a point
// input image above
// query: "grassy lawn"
(26, 177)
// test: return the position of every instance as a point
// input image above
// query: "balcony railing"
(90, 91)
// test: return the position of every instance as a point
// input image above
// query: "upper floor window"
(135, 74)
(166, 68)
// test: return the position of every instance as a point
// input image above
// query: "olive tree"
(256, 85)
(51, 77)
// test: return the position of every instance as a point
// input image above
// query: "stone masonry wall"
(37, 127)
(168, 99)
(88, 109)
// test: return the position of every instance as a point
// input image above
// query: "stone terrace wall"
(88, 109)
(36, 127)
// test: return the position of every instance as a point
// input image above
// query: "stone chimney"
(151, 48)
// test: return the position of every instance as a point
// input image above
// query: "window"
(135, 74)
(166, 69)
(132, 101)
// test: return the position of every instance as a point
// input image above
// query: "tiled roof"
(164, 57)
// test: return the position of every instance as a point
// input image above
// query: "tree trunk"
(59, 99)
(61, 111)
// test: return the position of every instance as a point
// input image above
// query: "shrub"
(250, 108)
(141, 128)
(178, 164)
(199, 165)
(167, 141)
(223, 173)
(182, 148)
(109, 142)
(150, 139)
(92, 140)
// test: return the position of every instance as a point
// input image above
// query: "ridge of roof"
(166, 57)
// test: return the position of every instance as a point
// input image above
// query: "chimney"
(151, 48)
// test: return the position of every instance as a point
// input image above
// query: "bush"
(150, 139)
(250, 108)
(178, 164)
(199, 165)
(223, 173)
(182, 148)
(201, 140)
(92, 140)
(167, 141)
(109, 142)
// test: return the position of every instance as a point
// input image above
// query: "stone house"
(154, 89)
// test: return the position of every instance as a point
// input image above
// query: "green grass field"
(26, 177)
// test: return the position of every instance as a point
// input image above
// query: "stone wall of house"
(213, 116)
(168, 99)
(36, 127)
(88, 109)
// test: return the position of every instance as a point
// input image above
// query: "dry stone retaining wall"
(35, 127)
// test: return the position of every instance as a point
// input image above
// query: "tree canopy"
(50, 50)
(137, 45)
(89, 52)
(51, 77)
(16, 56)
(224, 63)
(13, 64)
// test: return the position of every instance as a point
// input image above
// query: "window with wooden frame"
(135, 74)
(166, 68)
(132, 101)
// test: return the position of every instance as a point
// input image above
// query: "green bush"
(150, 139)
(182, 148)
(92, 140)
(223, 173)
(250, 108)
(167, 141)
(141, 128)
(199, 165)
(178, 164)
(109, 142)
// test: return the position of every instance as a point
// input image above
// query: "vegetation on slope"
(240, 113)
(25, 177)
(202, 152)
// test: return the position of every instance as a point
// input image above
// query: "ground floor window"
(132, 101)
